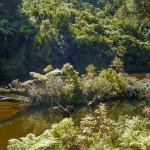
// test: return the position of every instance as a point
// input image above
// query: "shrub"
(96, 131)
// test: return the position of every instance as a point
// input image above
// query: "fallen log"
(66, 110)
(16, 99)
(9, 99)
(94, 101)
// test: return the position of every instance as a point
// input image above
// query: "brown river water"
(16, 121)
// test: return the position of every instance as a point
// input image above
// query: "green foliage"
(97, 86)
(66, 86)
(133, 134)
(48, 69)
(31, 142)
(67, 133)
(117, 64)
(97, 131)
(91, 71)
(97, 122)
(117, 80)
(74, 31)
(140, 8)
(136, 88)
(107, 84)
(72, 83)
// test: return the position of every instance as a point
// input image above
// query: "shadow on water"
(33, 119)
(25, 111)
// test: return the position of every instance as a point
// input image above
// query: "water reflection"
(16, 122)
(139, 76)
(36, 120)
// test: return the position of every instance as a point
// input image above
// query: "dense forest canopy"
(89, 47)
(35, 33)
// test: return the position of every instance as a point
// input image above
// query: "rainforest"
(74, 74)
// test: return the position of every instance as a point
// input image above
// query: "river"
(16, 122)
